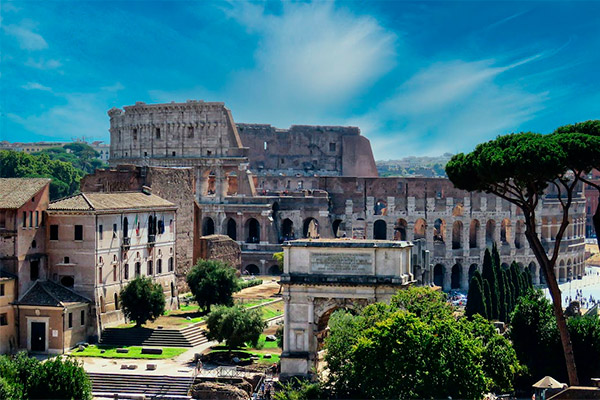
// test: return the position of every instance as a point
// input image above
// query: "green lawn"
(265, 344)
(252, 302)
(135, 352)
(274, 357)
(272, 310)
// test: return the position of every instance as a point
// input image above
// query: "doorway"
(38, 336)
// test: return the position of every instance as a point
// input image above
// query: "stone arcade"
(323, 275)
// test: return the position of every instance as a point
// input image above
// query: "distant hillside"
(415, 166)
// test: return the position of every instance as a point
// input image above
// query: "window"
(31, 219)
(265, 145)
(3, 319)
(100, 232)
(67, 281)
(125, 227)
(134, 134)
(1, 289)
(190, 132)
(173, 154)
(283, 160)
(138, 269)
(24, 219)
(33, 199)
(53, 232)
(114, 273)
(33, 244)
(171, 226)
(37, 219)
(119, 135)
(332, 146)
(126, 271)
(158, 133)
(150, 272)
(100, 275)
(114, 231)
(70, 320)
(159, 266)
(116, 296)
(78, 232)
(66, 260)
(208, 152)
(145, 154)
(2, 219)
(82, 317)
(170, 264)
(34, 270)
(114, 259)
(161, 227)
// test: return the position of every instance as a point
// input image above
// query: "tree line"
(493, 293)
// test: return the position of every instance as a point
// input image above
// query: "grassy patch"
(135, 352)
(272, 310)
(252, 302)
(249, 353)
(263, 344)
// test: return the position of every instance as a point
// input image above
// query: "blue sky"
(418, 78)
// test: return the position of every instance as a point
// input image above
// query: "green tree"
(235, 326)
(447, 357)
(488, 274)
(519, 168)
(475, 298)
(425, 303)
(300, 390)
(487, 295)
(142, 300)
(212, 282)
(22, 376)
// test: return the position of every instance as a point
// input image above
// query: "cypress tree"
(528, 278)
(487, 294)
(514, 275)
(503, 296)
(489, 275)
(476, 298)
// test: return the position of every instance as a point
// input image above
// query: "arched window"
(380, 230)
(138, 269)
(126, 271)
(170, 264)
(311, 228)
(33, 244)
(232, 228)
(208, 227)
(252, 231)
(116, 299)
(150, 270)
(159, 266)
(125, 227)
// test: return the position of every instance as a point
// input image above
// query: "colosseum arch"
(252, 230)
(400, 229)
(520, 234)
(274, 270)
(420, 228)
(380, 230)
(310, 228)
(562, 271)
(208, 226)
(287, 230)
(456, 277)
(438, 275)
(252, 269)
(535, 273)
(505, 232)
(439, 230)
(337, 231)
(474, 229)
(554, 228)
(231, 228)
(490, 233)
(457, 233)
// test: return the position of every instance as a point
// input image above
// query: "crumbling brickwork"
(220, 247)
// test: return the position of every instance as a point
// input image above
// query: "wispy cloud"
(43, 63)
(25, 36)
(36, 86)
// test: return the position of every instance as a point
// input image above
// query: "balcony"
(151, 240)
(126, 243)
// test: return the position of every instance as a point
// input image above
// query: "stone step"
(187, 337)
(152, 386)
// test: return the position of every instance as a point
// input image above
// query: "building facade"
(262, 186)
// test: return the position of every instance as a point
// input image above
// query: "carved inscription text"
(341, 263)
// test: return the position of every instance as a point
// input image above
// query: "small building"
(22, 205)
(52, 318)
(98, 242)
(8, 331)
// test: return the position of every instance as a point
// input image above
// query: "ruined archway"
(287, 230)
(274, 270)
(505, 232)
(456, 276)
(490, 233)
(208, 226)
(252, 269)
(474, 234)
(337, 231)
(520, 234)
(439, 230)
(400, 230)
(457, 233)
(380, 230)
(438, 275)
(310, 228)
(252, 231)
(231, 228)
(420, 228)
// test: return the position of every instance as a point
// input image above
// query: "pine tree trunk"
(548, 269)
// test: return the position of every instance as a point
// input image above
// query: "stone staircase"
(190, 336)
(133, 386)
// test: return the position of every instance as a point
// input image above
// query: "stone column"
(312, 345)
(410, 231)
(447, 279)
(497, 234)
(286, 322)
(464, 281)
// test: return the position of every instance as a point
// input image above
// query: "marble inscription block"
(341, 263)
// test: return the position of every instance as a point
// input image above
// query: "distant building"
(591, 203)
(102, 148)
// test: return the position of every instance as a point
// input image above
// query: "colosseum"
(262, 185)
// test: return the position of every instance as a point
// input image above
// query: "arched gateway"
(323, 275)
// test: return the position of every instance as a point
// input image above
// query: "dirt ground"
(269, 288)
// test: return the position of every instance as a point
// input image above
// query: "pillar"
(447, 284)
(286, 322)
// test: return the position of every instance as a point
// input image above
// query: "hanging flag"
(137, 226)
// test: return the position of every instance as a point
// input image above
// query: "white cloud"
(27, 39)
(451, 106)
(43, 63)
(36, 86)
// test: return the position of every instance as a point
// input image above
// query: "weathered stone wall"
(308, 150)
(220, 247)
